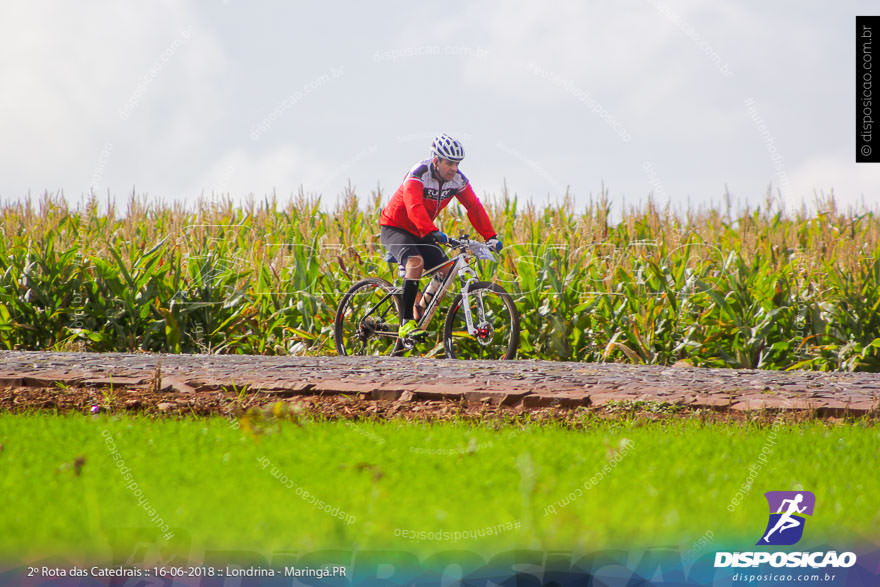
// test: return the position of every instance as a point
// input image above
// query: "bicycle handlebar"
(461, 242)
(466, 245)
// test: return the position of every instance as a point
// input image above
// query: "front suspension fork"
(468, 277)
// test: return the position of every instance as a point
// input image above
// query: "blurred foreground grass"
(88, 486)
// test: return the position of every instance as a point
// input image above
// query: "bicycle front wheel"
(367, 319)
(495, 319)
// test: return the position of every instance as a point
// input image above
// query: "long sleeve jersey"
(422, 196)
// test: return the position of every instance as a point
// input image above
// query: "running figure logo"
(787, 511)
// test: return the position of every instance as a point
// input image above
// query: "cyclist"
(407, 222)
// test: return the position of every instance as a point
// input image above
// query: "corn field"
(759, 288)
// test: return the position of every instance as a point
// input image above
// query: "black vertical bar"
(867, 31)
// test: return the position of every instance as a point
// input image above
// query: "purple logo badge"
(787, 511)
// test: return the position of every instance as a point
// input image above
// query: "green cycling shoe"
(409, 328)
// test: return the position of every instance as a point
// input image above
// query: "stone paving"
(524, 384)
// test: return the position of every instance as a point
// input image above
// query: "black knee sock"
(410, 288)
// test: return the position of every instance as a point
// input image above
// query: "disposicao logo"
(787, 511)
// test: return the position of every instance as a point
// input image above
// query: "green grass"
(207, 481)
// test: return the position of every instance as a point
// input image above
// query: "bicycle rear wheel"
(496, 319)
(367, 319)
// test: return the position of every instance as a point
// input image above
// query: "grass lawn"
(85, 486)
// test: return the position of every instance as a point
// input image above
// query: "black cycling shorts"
(403, 245)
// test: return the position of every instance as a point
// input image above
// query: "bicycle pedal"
(413, 339)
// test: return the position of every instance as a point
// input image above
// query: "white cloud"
(853, 184)
(240, 173)
(194, 79)
(99, 91)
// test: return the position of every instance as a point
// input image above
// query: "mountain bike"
(482, 322)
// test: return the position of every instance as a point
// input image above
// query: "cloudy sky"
(678, 98)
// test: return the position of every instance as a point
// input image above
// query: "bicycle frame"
(461, 268)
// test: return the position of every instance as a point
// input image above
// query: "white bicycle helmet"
(447, 148)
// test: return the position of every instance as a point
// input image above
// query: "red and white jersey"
(422, 196)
